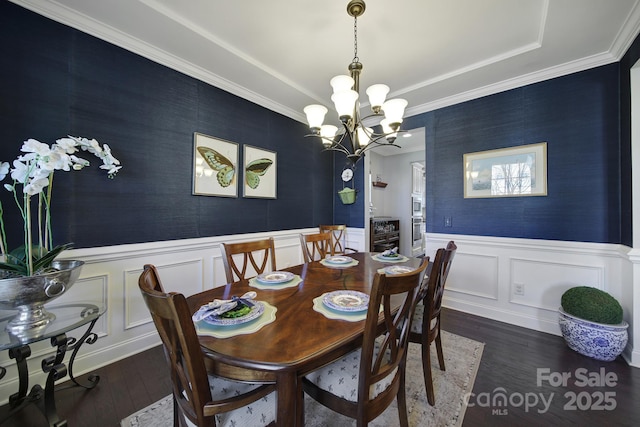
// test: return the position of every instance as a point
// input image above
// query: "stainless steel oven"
(416, 230)
(416, 206)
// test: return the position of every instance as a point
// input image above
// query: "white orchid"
(34, 170)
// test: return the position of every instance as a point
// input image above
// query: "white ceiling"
(281, 54)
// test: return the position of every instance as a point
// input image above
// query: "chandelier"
(355, 138)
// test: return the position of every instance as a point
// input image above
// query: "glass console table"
(67, 318)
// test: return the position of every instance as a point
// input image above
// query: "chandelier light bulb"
(341, 83)
(328, 132)
(393, 111)
(315, 116)
(390, 133)
(345, 102)
(377, 94)
(364, 135)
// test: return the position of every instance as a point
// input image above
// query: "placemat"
(401, 258)
(269, 315)
(333, 265)
(253, 282)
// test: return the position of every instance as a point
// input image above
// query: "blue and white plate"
(256, 311)
(338, 259)
(275, 277)
(398, 269)
(349, 301)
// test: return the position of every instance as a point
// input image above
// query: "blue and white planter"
(596, 340)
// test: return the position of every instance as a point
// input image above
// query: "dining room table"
(299, 327)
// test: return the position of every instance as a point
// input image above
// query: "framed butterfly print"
(215, 166)
(259, 173)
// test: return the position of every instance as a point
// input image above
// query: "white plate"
(398, 269)
(339, 259)
(256, 311)
(346, 300)
(275, 277)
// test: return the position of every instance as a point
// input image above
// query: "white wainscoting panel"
(185, 277)
(542, 283)
(479, 278)
(528, 277)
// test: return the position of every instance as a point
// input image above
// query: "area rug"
(462, 359)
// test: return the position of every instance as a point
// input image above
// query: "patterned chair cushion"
(341, 378)
(416, 323)
(258, 413)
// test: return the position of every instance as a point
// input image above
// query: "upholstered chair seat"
(341, 377)
(262, 412)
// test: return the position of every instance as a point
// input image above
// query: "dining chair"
(153, 278)
(362, 384)
(425, 327)
(315, 246)
(338, 238)
(258, 253)
(200, 398)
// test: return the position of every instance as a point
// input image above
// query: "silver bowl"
(28, 294)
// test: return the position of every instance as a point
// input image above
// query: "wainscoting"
(521, 281)
(517, 281)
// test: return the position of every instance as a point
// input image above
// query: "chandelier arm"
(371, 115)
(362, 151)
(384, 144)
(336, 146)
(333, 144)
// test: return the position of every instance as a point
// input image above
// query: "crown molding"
(86, 24)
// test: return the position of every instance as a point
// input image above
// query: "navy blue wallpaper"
(578, 117)
(57, 81)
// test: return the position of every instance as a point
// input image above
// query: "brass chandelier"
(355, 138)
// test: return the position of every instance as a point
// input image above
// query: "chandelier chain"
(355, 40)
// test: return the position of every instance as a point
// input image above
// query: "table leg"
(55, 367)
(90, 338)
(286, 387)
(20, 354)
(299, 402)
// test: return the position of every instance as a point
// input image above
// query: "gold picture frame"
(506, 172)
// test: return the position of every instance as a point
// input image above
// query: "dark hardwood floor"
(595, 394)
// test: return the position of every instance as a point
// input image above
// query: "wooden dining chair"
(338, 238)
(152, 278)
(362, 384)
(425, 327)
(315, 246)
(257, 253)
(200, 398)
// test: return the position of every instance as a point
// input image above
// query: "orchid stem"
(27, 224)
(3, 234)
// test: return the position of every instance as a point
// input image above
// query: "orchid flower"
(33, 170)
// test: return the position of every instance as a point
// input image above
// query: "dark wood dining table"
(300, 339)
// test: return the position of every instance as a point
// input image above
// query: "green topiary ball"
(592, 304)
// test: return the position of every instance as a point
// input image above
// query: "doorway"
(393, 168)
